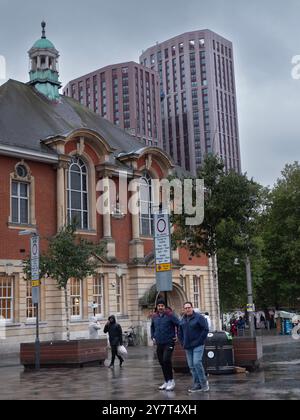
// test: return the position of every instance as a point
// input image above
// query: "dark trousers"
(114, 353)
(164, 354)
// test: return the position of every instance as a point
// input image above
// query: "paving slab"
(278, 379)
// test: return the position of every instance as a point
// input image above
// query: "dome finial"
(43, 31)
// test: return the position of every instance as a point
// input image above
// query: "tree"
(281, 234)
(231, 201)
(68, 257)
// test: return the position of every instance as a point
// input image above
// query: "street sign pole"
(35, 282)
(37, 339)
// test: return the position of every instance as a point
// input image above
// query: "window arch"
(78, 208)
(146, 206)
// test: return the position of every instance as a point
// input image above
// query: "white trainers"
(163, 386)
(171, 385)
(205, 388)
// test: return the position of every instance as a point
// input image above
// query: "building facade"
(53, 154)
(199, 110)
(126, 94)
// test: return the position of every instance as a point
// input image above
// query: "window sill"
(18, 226)
(33, 323)
(122, 317)
(78, 321)
(12, 325)
(86, 232)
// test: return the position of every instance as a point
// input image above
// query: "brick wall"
(45, 199)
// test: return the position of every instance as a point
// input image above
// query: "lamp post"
(250, 304)
(35, 283)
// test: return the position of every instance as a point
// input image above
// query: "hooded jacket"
(93, 329)
(193, 331)
(164, 327)
(114, 331)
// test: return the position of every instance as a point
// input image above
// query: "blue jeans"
(194, 358)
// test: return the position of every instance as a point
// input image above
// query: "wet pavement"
(141, 375)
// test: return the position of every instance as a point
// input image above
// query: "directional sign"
(163, 267)
(163, 259)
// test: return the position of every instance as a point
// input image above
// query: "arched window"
(146, 206)
(78, 194)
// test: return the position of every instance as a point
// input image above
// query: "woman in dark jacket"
(114, 331)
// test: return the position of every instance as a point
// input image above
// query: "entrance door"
(175, 299)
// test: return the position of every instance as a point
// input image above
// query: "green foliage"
(232, 203)
(71, 257)
(68, 256)
(27, 268)
(281, 235)
(242, 218)
(148, 299)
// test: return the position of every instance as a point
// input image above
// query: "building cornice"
(110, 170)
(27, 154)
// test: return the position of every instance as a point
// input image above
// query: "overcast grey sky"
(94, 33)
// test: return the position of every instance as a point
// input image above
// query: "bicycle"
(130, 337)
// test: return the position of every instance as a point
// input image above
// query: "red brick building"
(53, 153)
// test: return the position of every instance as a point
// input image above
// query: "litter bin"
(218, 354)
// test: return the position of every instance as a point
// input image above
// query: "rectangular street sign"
(162, 239)
(250, 307)
(35, 258)
(35, 268)
(163, 258)
(163, 267)
(35, 283)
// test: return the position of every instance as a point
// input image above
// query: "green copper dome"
(43, 72)
(43, 43)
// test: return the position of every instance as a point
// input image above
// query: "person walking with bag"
(115, 334)
(164, 327)
(193, 331)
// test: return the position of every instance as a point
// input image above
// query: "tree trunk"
(67, 313)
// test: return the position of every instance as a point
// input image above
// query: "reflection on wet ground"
(141, 375)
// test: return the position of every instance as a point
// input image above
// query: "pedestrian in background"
(115, 334)
(193, 332)
(241, 326)
(94, 327)
(207, 317)
(233, 327)
(164, 327)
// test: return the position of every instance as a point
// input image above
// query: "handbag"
(122, 351)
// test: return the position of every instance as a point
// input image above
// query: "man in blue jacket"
(164, 335)
(193, 331)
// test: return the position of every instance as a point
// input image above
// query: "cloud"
(265, 36)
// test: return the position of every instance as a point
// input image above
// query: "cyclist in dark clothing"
(164, 335)
(114, 331)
